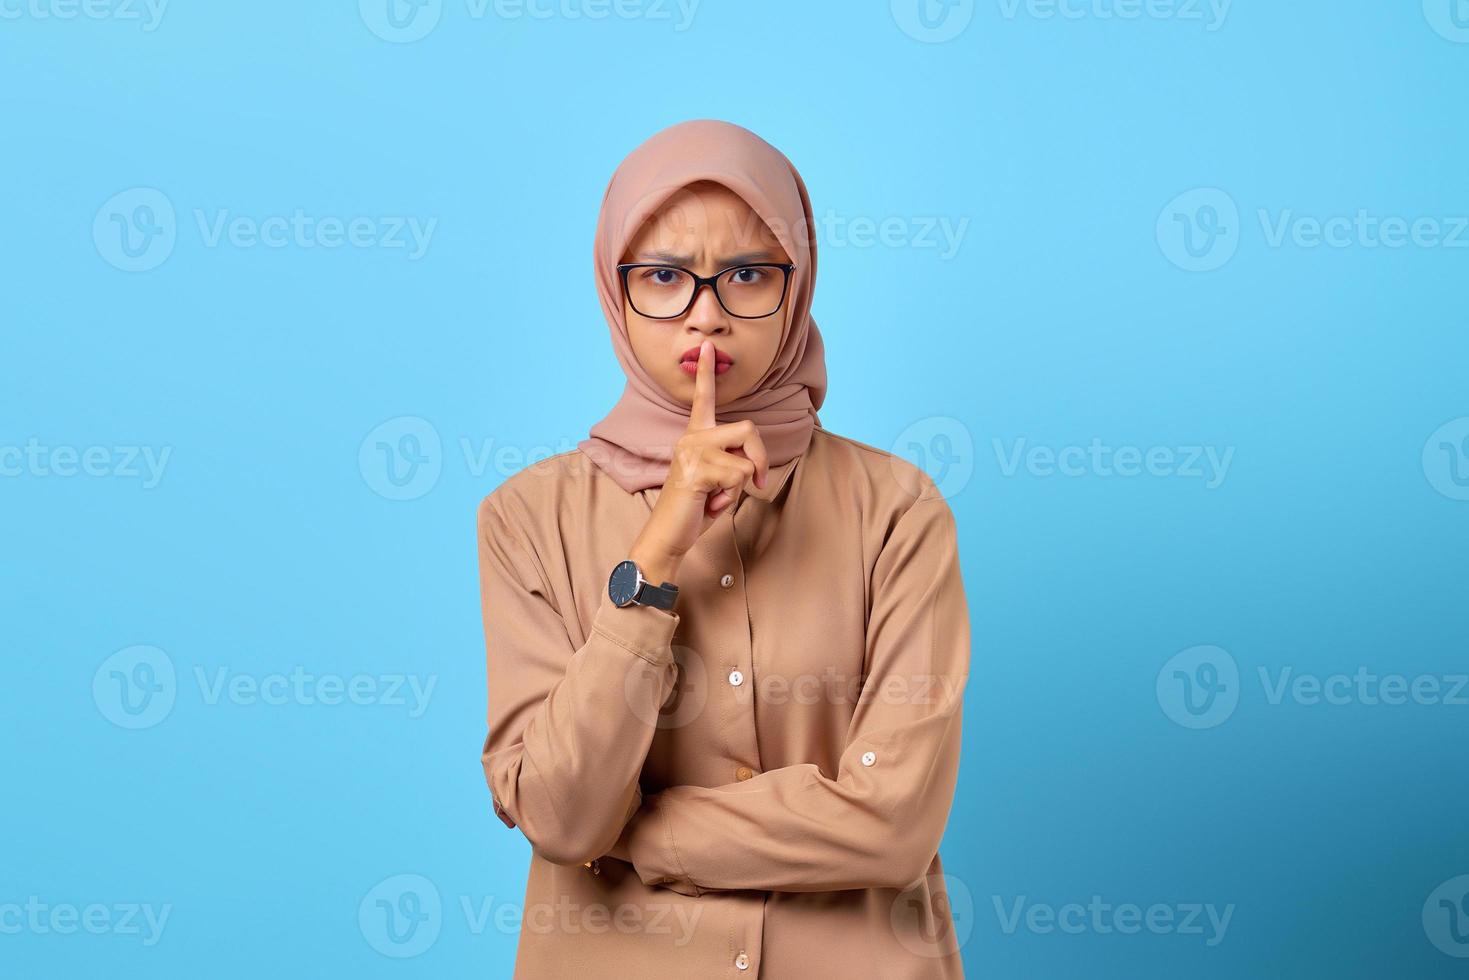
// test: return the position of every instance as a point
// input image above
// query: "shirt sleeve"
(568, 728)
(878, 820)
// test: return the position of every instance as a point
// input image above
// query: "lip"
(689, 362)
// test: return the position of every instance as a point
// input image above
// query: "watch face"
(623, 584)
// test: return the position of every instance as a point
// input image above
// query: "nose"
(706, 315)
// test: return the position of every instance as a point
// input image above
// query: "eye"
(660, 276)
(748, 276)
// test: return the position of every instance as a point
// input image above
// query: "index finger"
(701, 413)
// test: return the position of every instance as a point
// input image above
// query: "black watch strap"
(658, 596)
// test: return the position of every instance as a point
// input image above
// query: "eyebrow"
(744, 258)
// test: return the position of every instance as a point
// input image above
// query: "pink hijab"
(634, 442)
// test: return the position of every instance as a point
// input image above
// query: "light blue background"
(1334, 542)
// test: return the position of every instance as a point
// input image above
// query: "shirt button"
(736, 678)
(742, 962)
(666, 881)
(726, 580)
(743, 773)
(868, 758)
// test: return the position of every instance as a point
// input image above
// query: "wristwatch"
(626, 585)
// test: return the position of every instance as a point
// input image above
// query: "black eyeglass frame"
(712, 282)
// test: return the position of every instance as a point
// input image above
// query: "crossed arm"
(567, 743)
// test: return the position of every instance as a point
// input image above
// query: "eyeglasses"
(663, 292)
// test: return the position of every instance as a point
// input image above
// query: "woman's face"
(705, 228)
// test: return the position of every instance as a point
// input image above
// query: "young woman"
(726, 647)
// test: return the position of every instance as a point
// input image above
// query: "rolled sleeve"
(568, 727)
(647, 843)
(643, 631)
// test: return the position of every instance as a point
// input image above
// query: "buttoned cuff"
(642, 630)
(648, 841)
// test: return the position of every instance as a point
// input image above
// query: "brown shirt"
(752, 785)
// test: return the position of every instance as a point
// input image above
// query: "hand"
(710, 466)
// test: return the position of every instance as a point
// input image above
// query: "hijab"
(634, 442)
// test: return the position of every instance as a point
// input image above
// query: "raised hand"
(710, 466)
